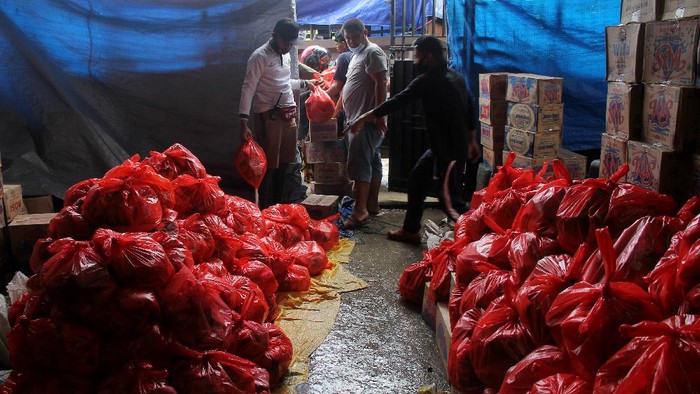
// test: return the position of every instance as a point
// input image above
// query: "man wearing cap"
(268, 81)
(451, 126)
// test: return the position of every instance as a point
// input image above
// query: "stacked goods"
(653, 127)
(534, 127)
(152, 279)
(585, 285)
(325, 158)
(492, 116)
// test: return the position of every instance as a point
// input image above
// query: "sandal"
(351, 222)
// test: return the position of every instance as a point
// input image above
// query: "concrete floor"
(378, 344)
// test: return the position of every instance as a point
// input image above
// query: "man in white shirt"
(268, 81)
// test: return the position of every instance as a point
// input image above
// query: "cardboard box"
(320, 206)
(678, 9)
(670, 52)
(671, 116)
(319, 132)
(492, 137)
(24, 231)
(574, 162)
(492, 112)
(623, 114)
(657, 168)
(333, 173)
(12, 198)
(534, 89)
(429, 308)
(535, 117)
(443, 332)
(624, 52)
(531, 144)
(492, 158)
(327, 151)
(493, 86)
(38, 204)
(341, 189)
(640, 11)
(613, 154)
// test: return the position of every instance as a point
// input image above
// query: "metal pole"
(392, 24)
(413, 18)
(403, 25)
(424, 16)
(434, 16)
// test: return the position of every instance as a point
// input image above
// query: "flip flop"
(351, 222)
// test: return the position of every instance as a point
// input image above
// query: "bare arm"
(380, 88)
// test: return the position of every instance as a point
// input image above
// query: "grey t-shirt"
(358, 91)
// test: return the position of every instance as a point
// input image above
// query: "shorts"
(364, 159)
(278, 139)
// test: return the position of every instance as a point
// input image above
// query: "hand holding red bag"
(319, 106)
(251, 162)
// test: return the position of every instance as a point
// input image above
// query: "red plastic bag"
(201, 195)
(251, 163)
(136, 260)
(444, 260)
(539, 213)
(544, 361)
(251, 339)
(140, 174)
(286, 234)
(178, 254)
(526, 250)
(137, 378)
(70, 222)
(629, 202)
(278, 355)
(220, 372)
(175, 161)
(129, 312)
(584, 319)
(662, 358)
(413, 279)
(459, 366)
(122, 206)
(319, 106)
(486, 287)
(243, 216)
(259, 273)
(78, 191)
(324, 232)
(195, 234)
(561, 383)
(294, 214)
(297, 278)
(311, 255)
(499, 341)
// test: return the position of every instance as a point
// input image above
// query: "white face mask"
(357, 49)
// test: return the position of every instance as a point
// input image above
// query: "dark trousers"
(453, 182)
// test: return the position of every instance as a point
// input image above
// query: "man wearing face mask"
(268, 80)
(365, 88)
(451, 127)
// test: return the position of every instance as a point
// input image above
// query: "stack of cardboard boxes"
(325, 169)
(492, 117)
(652, 116)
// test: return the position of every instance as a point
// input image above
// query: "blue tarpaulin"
(561, 38)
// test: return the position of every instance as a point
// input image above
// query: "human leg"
(420, 181)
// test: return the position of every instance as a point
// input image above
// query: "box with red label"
(671, 116)
(657, 168)
(678, 9)
(534, 89)
(613, 154)
(12, 198)
(492, 136)
(623, 114)
(493, 86)
(624, 52)
(535, 117)
(574, 162)
(319, 132)
(493, 158)
(333, 173)
(25, 230)
(532, 144)
(670, 52)
(640, 11)
(326, 151)
(492, 112)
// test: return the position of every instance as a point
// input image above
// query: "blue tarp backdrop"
(562, 38)
(84, 84)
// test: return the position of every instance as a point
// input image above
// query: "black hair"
(431, 45)
(354, 25)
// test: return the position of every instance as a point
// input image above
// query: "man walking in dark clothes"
(451, 125)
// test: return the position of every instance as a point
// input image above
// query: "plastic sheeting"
(84, 84)
(371, 12)
(562, 38)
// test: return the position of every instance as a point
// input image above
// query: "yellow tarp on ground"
(307, 317)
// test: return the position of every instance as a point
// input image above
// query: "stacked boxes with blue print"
(325, 157)
(652, 117)
(492, 116)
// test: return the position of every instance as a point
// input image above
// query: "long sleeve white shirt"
(268, 74)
